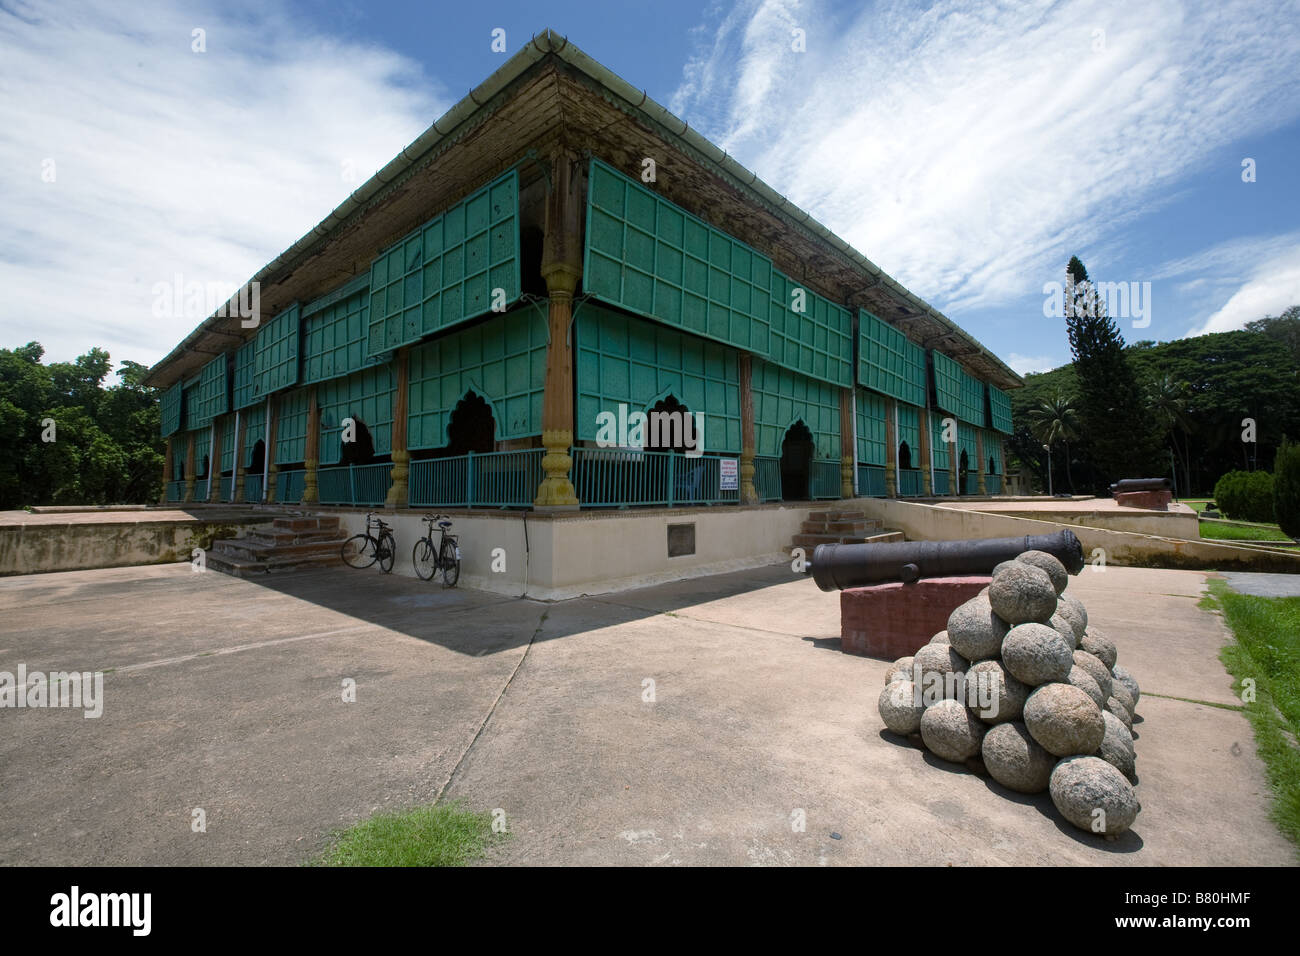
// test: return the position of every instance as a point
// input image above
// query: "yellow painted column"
(891, 450)
(167, 469)
(848, 454)
(927, 484)
(189, 468)
(272, 411)
(748, 491)
(399, 482)
(979, 454)
(237, 478)
(311, 455)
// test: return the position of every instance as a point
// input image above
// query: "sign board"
(728, 474)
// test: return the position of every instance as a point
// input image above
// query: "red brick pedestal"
(1151, 500)
(895, 620)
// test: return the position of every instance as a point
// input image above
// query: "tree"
(1055, 420)
(1286, 489)
(1168, 402)
(1119, 434)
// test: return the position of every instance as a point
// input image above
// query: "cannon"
(840, 566)
(1141, 484)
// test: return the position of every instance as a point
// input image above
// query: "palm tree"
(1055, 419)
(1168, 401)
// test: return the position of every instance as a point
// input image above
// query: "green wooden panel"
(626, 360)
(202, 449)
(972, 400)
(171, 410)
(909, 430)
(291, 427)
(1000, 409)
(190, 405)
(782, 397)
(503, 360)
(947, 383)
(655, 259)
(445, 272)
(966, 443)
(334, 339)
(254, 430)
(993, 450)
(244, 393)
(275, 353)
(940, 451)
(888, 361)
(817, 341)
(178, 458)
(228, 443)
(872, 438)
(365, 396)
(213, 396)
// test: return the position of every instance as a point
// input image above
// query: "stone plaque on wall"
(681, 540)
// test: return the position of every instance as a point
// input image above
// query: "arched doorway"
(796, 462)
(669, 425)
(904, 456)
(472, 427)
(361, 449)
(963, 469)
(993, 467)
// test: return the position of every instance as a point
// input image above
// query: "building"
(557, 248)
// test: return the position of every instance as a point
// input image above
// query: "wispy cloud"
(1272, 287)
(167, 161)
(1024, 364)
(970, 150)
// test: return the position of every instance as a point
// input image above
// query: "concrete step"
(244, 567)
(281, 536)
(810, 541)
(826, 516)
(306, 524)
(261, 551)
(842, 527)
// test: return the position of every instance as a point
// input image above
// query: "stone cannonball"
(974, 631)
(1035, 654)
(1049, 563)
(900, 707)
(1015, 759)
(950, 732)
(1064, 720)
(1021, 593)
(1081, 786)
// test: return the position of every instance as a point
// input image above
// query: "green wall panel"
(626, 360)
(213, 396)
(202, 449)
(228, 443)
(889, 362)
(444, 272)
(940, 451)
(1000, 408)
(818, 341)
(171, 410)
(782, 397)
(966, 443)
(275, 353)
(909, 430)
(291, 427)
(503, 360)
(190, 405)
(947, 383)
(243, 391)
(655, 259)
(254, 430)
(872, 436)
(972, 400)
(365, 396)
(993, 449)
(334, 339)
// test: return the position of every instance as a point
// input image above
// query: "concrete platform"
(225, 694)
(1176, 520)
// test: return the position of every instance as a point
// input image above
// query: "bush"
(1245, 495)
(1286, 489)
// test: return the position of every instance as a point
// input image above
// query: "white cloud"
(170, 161)
(969, 151)
(1274, 287)
(1025, 364)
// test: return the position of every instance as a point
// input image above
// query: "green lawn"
(1240, 531)
(444, 834)
(1267, 650)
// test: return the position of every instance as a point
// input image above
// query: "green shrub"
(1245, 495)
(1286, 488)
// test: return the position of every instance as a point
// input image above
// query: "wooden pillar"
(748, 492)
(214, 461)
(979, 454)
(272, 408)
(954, 461)
(311, 456)
(561, 268)
(399, 484)
(167, 469)
(189, 467)
(891, 449)
(848, 454)
(237, 478)
(927, 483)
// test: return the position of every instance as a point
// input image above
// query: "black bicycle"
(445, 557)
(363, 550)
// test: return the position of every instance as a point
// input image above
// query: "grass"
(1217, 531)
(1267, 651)
(443, 834)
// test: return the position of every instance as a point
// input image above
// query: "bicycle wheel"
(359, 551)
(424, 559)
(450, 563)
(387, 552)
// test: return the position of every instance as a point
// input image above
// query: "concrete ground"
(226, 695)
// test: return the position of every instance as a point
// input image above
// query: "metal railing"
(940, 483)
(993, 484)
(498, 479)
(175, 491)
(289, 486)
(824, 481)
(200, 489)
(354, 484)
(909, 483)
(253, 488)
(970, 484)
(617, 477)
(224, 487)
(871, 481)
(767, 478)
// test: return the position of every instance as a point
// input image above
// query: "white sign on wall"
(728, 474)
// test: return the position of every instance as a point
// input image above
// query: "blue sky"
(967, 149)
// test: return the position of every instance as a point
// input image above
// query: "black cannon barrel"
(840, 566)
(1141, 484)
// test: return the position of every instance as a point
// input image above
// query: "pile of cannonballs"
(1020, 681)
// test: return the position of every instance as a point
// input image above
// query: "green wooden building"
(557, 248)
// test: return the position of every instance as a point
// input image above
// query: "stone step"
(242, 567)
(259, 551)
(860, 526)
(306, 523)
(810, 541)
(274, 536)
(824, 516)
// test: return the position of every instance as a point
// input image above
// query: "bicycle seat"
(444, 524)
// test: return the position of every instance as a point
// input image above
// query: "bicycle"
(363, 550)
(429, 560)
